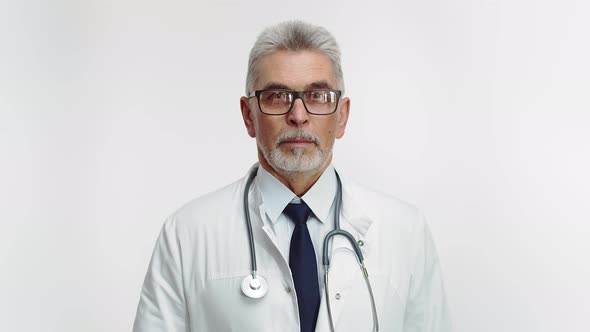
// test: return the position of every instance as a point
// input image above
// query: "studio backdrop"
(115, 113)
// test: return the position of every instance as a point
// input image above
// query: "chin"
(296, 160)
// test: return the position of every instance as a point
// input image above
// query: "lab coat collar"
(353, 210)
(276, 195)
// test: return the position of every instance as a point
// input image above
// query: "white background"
(115, 113)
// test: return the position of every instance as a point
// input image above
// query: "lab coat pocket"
(356, 312)
(226, 308)
(350, 300)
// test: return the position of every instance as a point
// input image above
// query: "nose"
(298, 115)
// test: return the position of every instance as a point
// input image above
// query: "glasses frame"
(297, 95)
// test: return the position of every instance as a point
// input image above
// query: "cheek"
(328, 137)
(266, 131)
(331, 129)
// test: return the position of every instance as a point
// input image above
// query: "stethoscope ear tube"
(253, 285)
(359, 256)
(337, 230)
(249, 221)
(349, 237)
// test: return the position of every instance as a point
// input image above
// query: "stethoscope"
(256, 286)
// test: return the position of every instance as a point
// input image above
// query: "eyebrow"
(275, 85)
(318, 85)
(314, 85)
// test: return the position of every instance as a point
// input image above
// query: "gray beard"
(296, 160)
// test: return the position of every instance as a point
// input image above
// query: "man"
(201, 276)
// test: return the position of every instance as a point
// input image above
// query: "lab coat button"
(337, 296)
(288, 289)
(361, 243)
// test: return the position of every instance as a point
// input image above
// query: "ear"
(343, 111)
(247, 116)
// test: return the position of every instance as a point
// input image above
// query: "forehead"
(295, 70)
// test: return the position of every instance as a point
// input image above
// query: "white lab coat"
(202, 255)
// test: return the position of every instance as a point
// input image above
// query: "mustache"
(297, 133)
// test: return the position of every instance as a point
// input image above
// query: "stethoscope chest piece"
(254, 287)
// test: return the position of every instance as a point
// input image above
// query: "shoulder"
(373, 198)
(382, 207)
(212, 208)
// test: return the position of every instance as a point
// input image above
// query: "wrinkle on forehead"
(309, 86)
(296, 70)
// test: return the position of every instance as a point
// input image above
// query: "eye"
(279, 95)
(276, 96)
(319, 96)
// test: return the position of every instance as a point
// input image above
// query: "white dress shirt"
(319, 198)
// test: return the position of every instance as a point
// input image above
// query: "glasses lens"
(280, 101)
(275, 101)
(321, 101)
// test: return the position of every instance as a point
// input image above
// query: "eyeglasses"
(279, 101)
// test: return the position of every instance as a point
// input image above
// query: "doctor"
(213, 270)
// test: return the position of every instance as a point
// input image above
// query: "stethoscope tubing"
(251, 177)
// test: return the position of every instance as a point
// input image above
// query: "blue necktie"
(304, 269)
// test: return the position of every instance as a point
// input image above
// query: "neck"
(298, 182)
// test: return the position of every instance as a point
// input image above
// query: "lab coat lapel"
(344, 268)
(353, 211)
(258, 213)
(263, 236)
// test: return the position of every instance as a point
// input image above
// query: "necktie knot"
(299, 213)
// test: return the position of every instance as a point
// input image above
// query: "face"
(297, 141)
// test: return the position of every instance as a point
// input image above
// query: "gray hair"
(294, 36)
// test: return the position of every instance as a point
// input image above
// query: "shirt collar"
(276, 195)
